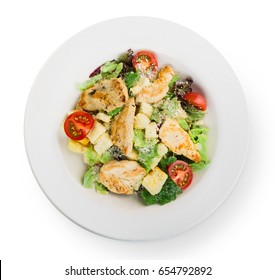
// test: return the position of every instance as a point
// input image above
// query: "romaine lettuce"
(91, 176)
(147, 148)
(115, 112)
(91, 157)
(171, 92)
(110, 69)
(131, 78)
(106, 157)
(169, 108)
(172, 82)
(199, 137)
(195, 131)
(90, 82)
(183, 124)
(101, 188)
(193, 113)
(199, 166)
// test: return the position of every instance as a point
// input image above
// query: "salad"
(139, 128)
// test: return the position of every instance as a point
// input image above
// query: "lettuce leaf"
(101, 188)
(147, 149)
(146, 156)
(131, 78)
(108, 67)
(168, 193)
(199, 137)
(196, 131)
(90, 82)
(169, 108)
(172, 82)
(202, 140)
(183, 124)
(91, 157)
(165, 162)
(106, 157)
(193, 113)
(199, 166)
(111, 69)
(115, 112)
(91, 176)
(91, 179)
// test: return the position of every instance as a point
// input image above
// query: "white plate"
(59, 172)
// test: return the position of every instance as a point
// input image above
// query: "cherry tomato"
(195, 99)
(78, 124)
(181, 173)
(145, 62)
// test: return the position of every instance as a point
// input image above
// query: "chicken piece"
(122, 128)
(121, 177)
(178, 140)
(155, 91)
(105, 95)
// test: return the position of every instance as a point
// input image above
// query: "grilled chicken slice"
(122, 128)
(155, 91)
(178, 140)
(105, 95)
(121, 177)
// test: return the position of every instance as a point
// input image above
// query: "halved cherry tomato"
(78, 124)
(181, 173)
(195, 99)
(146, 62)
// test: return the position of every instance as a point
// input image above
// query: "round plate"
(59, 172)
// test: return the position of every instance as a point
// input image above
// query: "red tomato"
(146, 62)
(181, 173)
(195, 99)
(78, 124)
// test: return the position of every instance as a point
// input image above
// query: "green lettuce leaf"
(171, 92)
(183, 124)
(91, 176)
(108, 67)
(101, 188)
(90, 82)
(147, 148)
(165, 162)
(169, 108)
(91, 157)
(168, 193)
(115, 112)
(196, 131)
(198, 135)
(106, 157)
(146, 156)
(193, 113)
(111, 69)
(131, 78)
(199, 166)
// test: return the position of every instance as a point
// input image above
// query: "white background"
(38, 242)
